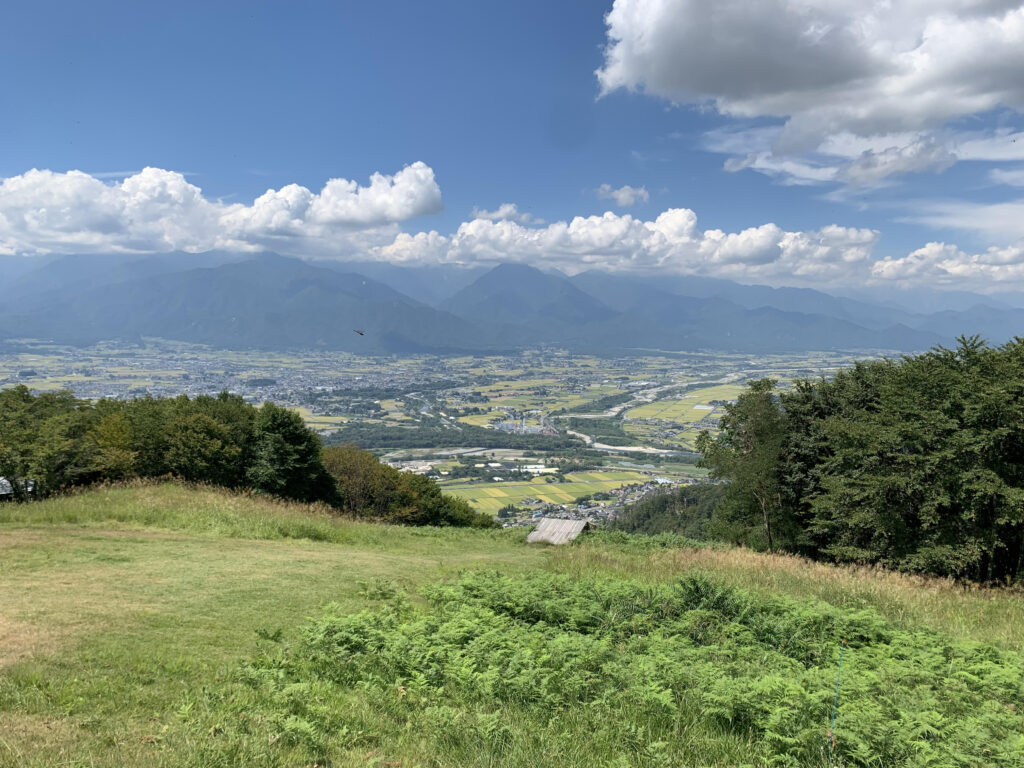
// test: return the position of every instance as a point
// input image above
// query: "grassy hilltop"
(166, 625)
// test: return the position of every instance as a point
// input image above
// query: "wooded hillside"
(54, 441)
(915, 464)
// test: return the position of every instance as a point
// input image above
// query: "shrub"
(503, 670)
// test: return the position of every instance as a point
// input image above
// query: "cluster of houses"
(596, 512)
(489, 469)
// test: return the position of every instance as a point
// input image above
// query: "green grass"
(121, 606)
(131, 621)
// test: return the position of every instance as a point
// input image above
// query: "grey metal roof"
(556, 531)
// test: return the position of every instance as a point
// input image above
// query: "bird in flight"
(361, 333)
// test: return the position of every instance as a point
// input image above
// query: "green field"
(490, 497)
(533, 392)
(167, 626)
(319, 422)
(685, 409)
(685, 415)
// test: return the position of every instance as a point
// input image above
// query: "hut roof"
(556, 531)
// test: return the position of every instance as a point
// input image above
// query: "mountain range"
(265, 301)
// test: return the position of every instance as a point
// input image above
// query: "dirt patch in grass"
(20, 640)
(23, 736)
(19, 538)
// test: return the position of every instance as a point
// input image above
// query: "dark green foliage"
(200, 448)
(43, 441)
(916, 464)
(631, 673)
(509, 510)
(286, 457)
(52, 442)
(366, 488)
(686, 510)
(748, 451)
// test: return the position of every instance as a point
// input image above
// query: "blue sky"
(820, 139)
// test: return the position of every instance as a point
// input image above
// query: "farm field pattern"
(332, 389)
(655, 402)
(493, 496)
(678, 419)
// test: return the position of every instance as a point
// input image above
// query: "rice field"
(539, 394)
(693, 406)
(687, 412)
(490, 497)
(318, 422)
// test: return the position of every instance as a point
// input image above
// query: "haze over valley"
(265, 301)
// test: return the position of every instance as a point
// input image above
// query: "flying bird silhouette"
(361, 333)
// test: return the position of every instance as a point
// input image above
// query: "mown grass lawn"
(127, 613)
(118, 607)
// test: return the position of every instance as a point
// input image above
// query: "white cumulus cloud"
(625, 196)
(670, 243)
(504, 211)
(942, 264)
(894, 72)
(1013, 177)
(156, 210)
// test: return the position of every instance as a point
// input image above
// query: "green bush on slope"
(53, 442)
(548, 669)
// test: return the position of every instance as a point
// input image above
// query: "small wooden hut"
(555, 531)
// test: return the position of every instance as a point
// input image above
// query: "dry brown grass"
(992, 615)
(22, 736)
(20, 640)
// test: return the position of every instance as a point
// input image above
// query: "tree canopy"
(915, 464)
(53, 441)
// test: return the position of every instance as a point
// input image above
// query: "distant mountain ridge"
(267, 301)
(515, 294)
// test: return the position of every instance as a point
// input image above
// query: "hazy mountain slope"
(803, 300)
(715, 322)
(925, 300)
(268, 302)
(987, 316)
(995, 325)
(82, 272)
(12, 268)
(431, 284)
(274, 302)
(519, 295)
